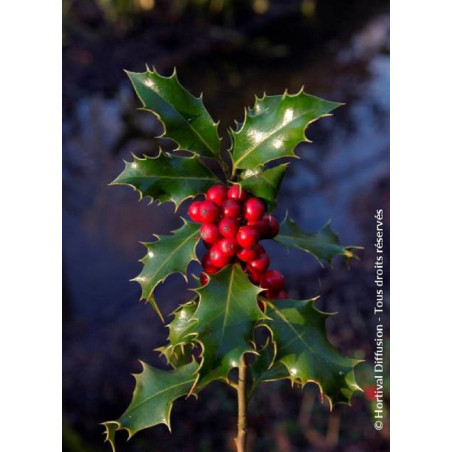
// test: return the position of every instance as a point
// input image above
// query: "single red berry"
(228, 227)
(231, 208)
(228, 246)
(247, 254)
(203, 279)
(247, 236)
(217, 194)
(254, 275)
(208, 212)
(253, 209)
(210, 232)
(270, 226)
(236, 192)
(208, 266)
(218, 258)
(193, 211)
(273, 280)
(261, 263)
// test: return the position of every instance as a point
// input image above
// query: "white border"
(30, 200)
(421, 174)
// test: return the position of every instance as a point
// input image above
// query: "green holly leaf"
(302, 347)
(181, 335)
(226, 315)
(110, 433)
(153, 398)
(264, 368)
(167, 177)
(323, 244)
(264, 184)
(167, 255)
(184, 117)
(275, 126)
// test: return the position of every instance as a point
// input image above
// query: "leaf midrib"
(166, 260)
(275, 131)
(226, 313)
(286, 321)
(147, 399)
(181, 116)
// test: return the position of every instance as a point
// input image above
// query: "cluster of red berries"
(232, 225)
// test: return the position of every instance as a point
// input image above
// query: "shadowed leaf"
(323, 244)
(153, 397)
(302, 347)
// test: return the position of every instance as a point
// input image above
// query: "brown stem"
(240, 441)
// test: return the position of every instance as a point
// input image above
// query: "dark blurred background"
(230, 50)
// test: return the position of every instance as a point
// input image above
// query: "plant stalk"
(240, 441)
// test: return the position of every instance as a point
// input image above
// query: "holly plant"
(240, 315)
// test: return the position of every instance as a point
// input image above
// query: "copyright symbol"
(378, 425)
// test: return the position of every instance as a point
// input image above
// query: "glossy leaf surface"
(275, 126)
(226, 315)
(167, 177)
(264, 184)
(168, 254)
(184, 117)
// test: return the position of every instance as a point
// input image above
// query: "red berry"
(271, 226)
(247, 254)
(254, 275)
(231, 208)
(208, 266)
(236, 192)
(228, 227)
(210, 232)
(247, 236)
(193, 211)
(204, 279)
(228, 246)
(253, 209)
(261, 263)
(217, 194)
(273, 280)
(218, 258)
(208, 212)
